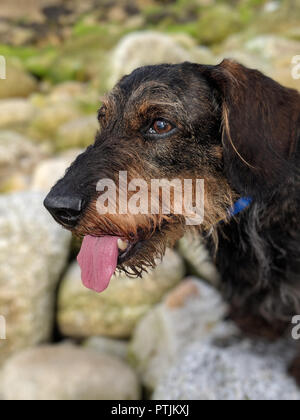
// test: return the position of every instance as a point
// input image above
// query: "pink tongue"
(98, 259)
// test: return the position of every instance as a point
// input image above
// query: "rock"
(48, 120)
(66, 90)
(15, 34)
(14, 183)
(65, 372)
(193, 250)
(49, 171)
(189, 313)
(241, 371)
(77, 133)
(33, 252)
(115, 312)
(83, 95)
(272, 46)
(18, 82)
(280, 52)
(15, 112)
(81, 58)
(271, 54)
(18, 156)
(111, 346)
(217, 23)
(17, 10)
(143, 48)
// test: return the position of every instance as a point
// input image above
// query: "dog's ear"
(260, 126)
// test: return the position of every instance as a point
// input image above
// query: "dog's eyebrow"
(151, 88)
(151, 95)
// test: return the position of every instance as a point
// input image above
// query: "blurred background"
(160, 337)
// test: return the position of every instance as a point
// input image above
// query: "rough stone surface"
(18, 82)
(49, 171)
(115, 312)
(106, 345)
(68, 373)
(33, 252)
(191, 312)
(15, 112)
(144, 48)
(47, 121)
(18, 155)
(280, 52)
(193, 250)
(77, 133)
(240, 371)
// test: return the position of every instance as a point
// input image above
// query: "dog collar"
(240, 205)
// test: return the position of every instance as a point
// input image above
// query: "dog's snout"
(65, 210)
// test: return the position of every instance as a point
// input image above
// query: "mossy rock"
(18, 82)
(82, 57)
(217, 23)
(79, 132)
(47, 121)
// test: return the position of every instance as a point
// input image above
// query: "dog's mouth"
(132, 247)
(99, 258)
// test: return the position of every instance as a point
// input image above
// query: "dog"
(227, 124)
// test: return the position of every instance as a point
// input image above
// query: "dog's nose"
(65, 210)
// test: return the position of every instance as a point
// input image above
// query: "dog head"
(228, 125)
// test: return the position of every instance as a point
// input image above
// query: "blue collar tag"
(240, 205)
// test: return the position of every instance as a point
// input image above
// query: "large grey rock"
(106, 345)
(33, 252)
(240, 371)
(115, 312)
(68, 373)
(18, 156)
(271, 54)
(49, 171)
(280, 52)
(144, 48)
(191, 312)
(272, 46)
(15, 112)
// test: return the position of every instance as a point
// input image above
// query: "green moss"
(187, 28)
(132, 359)
(23, 53)
(217, 23)
(39, 64)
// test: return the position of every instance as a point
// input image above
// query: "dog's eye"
(160, 126)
